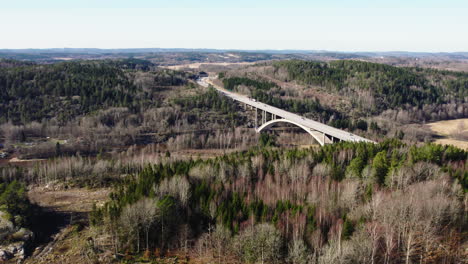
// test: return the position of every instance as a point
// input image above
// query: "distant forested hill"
(338, 89)
(31, 91)
(391, 86)
(41, 91)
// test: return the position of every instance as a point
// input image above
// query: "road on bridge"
(309, 123)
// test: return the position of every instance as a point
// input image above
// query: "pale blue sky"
(364, 25)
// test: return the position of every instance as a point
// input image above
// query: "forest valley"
(166, 171)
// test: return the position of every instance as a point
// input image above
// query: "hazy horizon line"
(236, 49)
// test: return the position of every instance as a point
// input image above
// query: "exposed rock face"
(14, 250)
(5, 255)
(20, 236)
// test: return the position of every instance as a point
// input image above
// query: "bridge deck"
(280, 113)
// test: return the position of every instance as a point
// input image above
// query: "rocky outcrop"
(19, 238)
(14, 250)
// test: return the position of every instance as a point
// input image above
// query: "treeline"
(208, 100)
(232, 83)
(165, 77)
(132, 64)
(391, 87)
(356, 124)
(270, 93)
(343, 203)
(8, 63)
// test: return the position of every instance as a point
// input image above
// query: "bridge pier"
(256, 117)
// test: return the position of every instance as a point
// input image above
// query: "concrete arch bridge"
(271, 116)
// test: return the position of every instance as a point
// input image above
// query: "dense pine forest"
(65, 90)
(36, 92)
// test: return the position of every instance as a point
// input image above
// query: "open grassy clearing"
(452, 132)
(68, 209)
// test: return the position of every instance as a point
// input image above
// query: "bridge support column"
(256, 117)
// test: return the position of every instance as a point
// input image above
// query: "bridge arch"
(319, 136)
